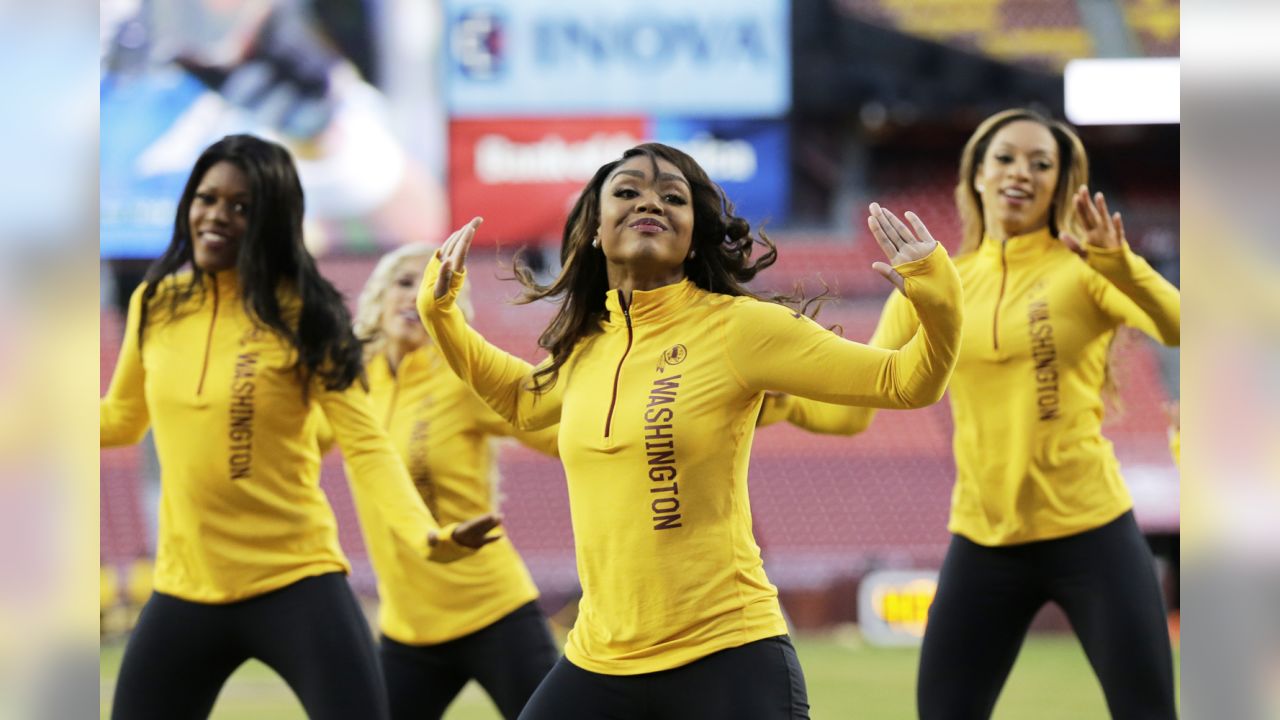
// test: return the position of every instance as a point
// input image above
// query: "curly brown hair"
(722, 262)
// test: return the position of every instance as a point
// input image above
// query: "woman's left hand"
(899, 243)
(453, 254)
(1102, 228)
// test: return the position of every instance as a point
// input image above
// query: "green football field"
(846, 678)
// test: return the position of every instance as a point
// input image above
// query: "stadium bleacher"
(1041, 33)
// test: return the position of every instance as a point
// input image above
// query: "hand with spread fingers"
(473, 533)
(453, 254)
(899, 243)
(1102, 229)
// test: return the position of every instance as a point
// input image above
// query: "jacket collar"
(412, 364)
(1019, 247)
(649, 305)
(227, 281)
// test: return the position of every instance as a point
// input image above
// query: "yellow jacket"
(442, 431)
(1026, 397)
(241, 509)
(657, 412)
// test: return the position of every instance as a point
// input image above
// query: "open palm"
(453, 254)
(1102, 229)
(899, 243)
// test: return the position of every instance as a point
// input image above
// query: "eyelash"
(627, 193)
(208, 199)
(1040, 165)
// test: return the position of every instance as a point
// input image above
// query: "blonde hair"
(368, 320)
(1073, 171)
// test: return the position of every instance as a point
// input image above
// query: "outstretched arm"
(501, 379)
(1134, 294)
(379, 476)
(122, 412)
(814, 415)
(770, 348)
(898, 324)
(545, 440)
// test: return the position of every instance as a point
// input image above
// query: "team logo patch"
(675, 355)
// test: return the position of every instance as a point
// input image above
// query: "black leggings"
(1104, 580)
(311, 632)
(508, 658)
(757, 681)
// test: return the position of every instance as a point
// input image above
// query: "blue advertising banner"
(714, 58)
(748, 158)
(138, 189)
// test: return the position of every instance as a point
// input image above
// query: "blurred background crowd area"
(409, 117)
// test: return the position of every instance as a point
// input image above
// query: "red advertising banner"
(523, 175)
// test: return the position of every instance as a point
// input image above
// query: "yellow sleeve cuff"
(427, 300)
(1108, 260)
(924, 264)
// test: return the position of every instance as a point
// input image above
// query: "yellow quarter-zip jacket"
(241, 509)
(443, 433)
(1026, 396)
(657, 412)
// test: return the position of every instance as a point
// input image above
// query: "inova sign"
(713, 58)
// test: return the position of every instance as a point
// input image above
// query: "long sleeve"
(545, 440)
(324, 434)
(1134, 294)
(377, 473)
(814, 415)
(770, 348)
(501, 379)
(123, 416)
(898, 323)
(828, 419)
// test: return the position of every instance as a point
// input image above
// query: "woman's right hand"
(899, 243)
(474, 533)
(453, 254)
(458, 540)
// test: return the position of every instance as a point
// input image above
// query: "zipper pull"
(626, 311)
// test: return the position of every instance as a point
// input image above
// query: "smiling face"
(646, 217)
(400, 323)
(219, 216)
(1017, 178)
